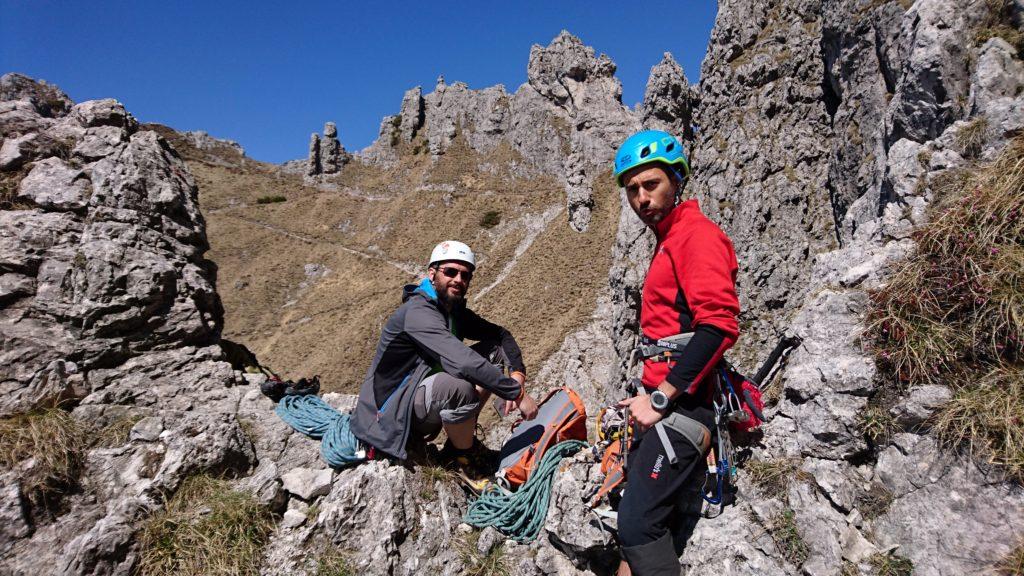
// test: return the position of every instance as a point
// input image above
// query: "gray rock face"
(823, 124)
(669, 101)
(108, 304)
(47, 100)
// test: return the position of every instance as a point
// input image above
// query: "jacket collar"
(662, 228)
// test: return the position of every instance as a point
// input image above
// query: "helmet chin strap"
(680, 184)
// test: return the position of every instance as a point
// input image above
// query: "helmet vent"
(645, 152)
(670, 147)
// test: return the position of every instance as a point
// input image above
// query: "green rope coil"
(520, 515)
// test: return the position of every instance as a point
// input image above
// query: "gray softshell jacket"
(419, 336)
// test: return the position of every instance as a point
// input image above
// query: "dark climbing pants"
(661, 504)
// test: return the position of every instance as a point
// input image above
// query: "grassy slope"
(369, 234)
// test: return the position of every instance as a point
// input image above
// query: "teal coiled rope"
(520, 515)
(317, 419)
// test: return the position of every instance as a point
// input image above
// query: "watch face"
(659, 400)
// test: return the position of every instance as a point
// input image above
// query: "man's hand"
(641, 410)
(528, 407)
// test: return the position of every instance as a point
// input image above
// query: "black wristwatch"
(659, 401)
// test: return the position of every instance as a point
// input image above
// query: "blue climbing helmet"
(647, 147)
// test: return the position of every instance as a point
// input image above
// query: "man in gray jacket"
(423, 378)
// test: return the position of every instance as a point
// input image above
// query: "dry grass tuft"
(971, 137)
(874, 501)
(960, 301)
(1013, 563)
(954, 313)
(891, 565)
(116, 433)
(998, 21)
(333, 563)
(474, 563)
(54, 440)
(774, 477)
(988, 417)
(206, 528)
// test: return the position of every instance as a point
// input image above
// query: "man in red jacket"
(690, 288)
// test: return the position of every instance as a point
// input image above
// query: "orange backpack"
(561, 416)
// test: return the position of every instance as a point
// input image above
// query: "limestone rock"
(54, 185)
(48, 100)
(913, 411)
(668, 101)
(313, 164)
(306, 483)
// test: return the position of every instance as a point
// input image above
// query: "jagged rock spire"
(669, 100)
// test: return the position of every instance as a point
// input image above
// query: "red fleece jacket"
(691, 282)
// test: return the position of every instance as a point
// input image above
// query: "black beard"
(446, 300)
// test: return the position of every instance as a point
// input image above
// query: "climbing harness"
(315, 418)
(520, 515)
(737, 407)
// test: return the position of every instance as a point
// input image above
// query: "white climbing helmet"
(452, 250)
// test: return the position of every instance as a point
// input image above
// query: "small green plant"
(783, 531)
(206, 528)
(1013, 563)
(54, 441)
(270, 199)
(431, 474)
(312, 513)
(891, 565)
(116, 433)
(474, 563)
(333, 563)
(877, 424)
(971, 137)
(774, 477)
(490, 219)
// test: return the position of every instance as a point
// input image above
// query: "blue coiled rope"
(317, 419)
(520, 515)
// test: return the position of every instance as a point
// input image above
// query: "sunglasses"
(453, 272)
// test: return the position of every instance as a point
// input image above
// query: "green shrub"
(271, 199)
(953, 313)
(206, 528)
(791, 545)
(54, 440)
(490, 219)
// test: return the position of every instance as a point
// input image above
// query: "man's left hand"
(641, 410)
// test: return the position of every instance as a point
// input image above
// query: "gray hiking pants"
(443, 399)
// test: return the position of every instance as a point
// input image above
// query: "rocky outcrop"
(565, 121)
(107, 305)
(830, 122)
(326, 155)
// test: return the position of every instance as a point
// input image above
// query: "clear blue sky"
(268, 75)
